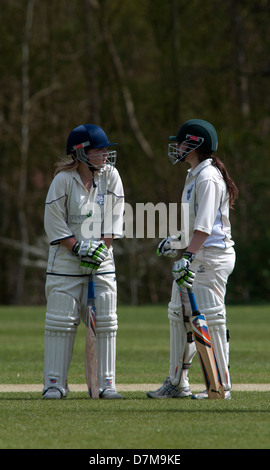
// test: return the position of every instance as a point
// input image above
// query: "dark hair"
(231, 187)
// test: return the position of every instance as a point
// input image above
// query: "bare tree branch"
(28, 249)
(120, 72)
(24, 148)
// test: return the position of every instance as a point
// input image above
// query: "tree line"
(137, 69)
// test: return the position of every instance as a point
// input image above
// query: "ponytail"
(231, 187)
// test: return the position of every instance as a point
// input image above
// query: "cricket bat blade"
(207, 358)
(205, 351)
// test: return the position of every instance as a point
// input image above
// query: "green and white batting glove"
(168, 246)
(182, 274)
(92, 253)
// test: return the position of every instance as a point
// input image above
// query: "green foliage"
(177, 61)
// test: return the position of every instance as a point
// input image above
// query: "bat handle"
(193, 303)
(91, 287)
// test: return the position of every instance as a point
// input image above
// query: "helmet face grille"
(100, 161)
(179, 151)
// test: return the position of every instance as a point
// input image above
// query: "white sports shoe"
(204, 394)
(109, 394)
(167, 390)
(52, 393)
(55, 393)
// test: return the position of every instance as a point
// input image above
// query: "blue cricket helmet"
(87, 135)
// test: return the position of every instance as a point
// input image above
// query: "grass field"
(136, 422)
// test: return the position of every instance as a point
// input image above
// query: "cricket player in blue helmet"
(83, 215)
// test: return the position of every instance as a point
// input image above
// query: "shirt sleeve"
(208, 199)
(55, 215)
(114, 208)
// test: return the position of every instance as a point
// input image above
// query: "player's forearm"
(107, 241)
(70, 242)
(197, 241)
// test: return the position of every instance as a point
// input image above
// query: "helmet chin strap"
(92, 169)
(82, 157)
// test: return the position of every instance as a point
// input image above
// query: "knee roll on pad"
(62, 313)
(210, 304)
(180, 304)
(106, 317)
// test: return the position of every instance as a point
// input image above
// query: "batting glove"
(92, 253)
(166, 246)
(181, 272)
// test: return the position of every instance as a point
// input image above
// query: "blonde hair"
(68, 163)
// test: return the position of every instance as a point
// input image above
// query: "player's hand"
(182, 274)
(166, 246)
(92, 253)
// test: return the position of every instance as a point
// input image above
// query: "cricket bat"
(91, 340)
(205, 351)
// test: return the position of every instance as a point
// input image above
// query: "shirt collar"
(77, 177)
(201, 165)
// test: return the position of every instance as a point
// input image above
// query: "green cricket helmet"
(191, 135)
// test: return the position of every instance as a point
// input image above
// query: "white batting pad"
(221, 348)
(107, 324)
(181, 350)
(60, 331)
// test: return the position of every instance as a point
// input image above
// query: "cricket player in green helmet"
(208, 258)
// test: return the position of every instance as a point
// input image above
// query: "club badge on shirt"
(100, 199)
(189, 192)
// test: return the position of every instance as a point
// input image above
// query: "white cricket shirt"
(206, 193)
(72, 210)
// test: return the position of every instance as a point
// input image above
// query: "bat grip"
(91, 287)
(193, 303)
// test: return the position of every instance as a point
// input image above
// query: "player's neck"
(192, 159)
(85, 175)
